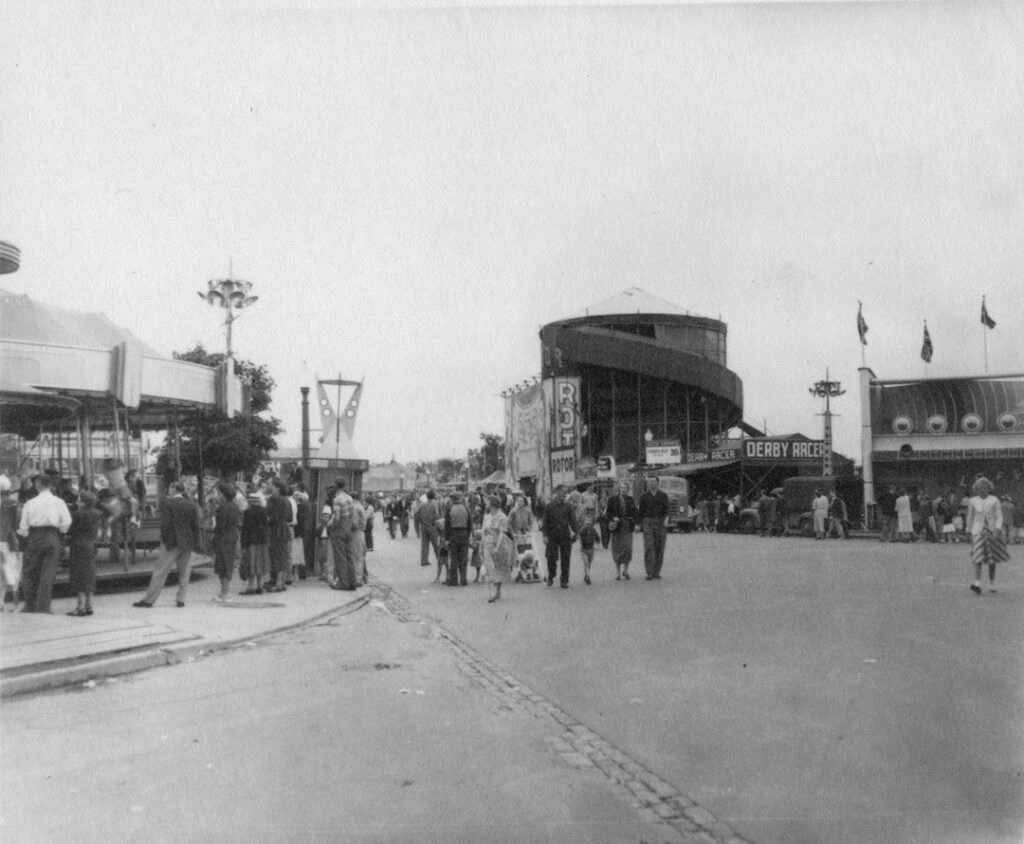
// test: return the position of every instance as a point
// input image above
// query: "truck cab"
(680, 513)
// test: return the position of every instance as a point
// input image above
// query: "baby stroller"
(526, 561)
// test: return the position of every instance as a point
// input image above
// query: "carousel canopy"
(23, 408)
(28, 320)
(84, 358)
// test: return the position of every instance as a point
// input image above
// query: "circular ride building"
(642, 372)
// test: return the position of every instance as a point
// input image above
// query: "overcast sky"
(414, 192)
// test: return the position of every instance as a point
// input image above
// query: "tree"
(211, 441)
(490, 457)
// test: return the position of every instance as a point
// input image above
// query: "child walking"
(588, 539)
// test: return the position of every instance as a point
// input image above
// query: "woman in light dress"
(497, 545)
(904, 517)
(985, 527)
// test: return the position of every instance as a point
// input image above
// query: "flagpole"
(862, 329)
(984, 329)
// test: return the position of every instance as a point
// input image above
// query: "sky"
(415, 189)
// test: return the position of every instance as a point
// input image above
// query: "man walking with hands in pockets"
(654, 519)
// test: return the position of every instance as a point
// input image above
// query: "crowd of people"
(268, 533)
(64, 518)
(907, 517)
(495, 533)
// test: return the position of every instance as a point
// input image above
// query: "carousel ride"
(77, 391)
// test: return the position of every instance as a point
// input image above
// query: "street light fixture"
(231, 294)
(827, 390)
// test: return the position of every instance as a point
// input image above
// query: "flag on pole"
(986, 320)
(926, 346)
(862, 326)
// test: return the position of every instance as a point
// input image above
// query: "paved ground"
(764, 690)
(800, 691)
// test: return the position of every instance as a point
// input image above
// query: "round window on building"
(1008, 422)
(972, 423)
(903, 424)
(937, 424)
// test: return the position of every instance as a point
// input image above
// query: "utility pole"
(827, 390)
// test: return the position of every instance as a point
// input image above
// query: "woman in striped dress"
(985, 526)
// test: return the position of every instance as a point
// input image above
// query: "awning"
(684, 469)
(498, 477)
(23, 408)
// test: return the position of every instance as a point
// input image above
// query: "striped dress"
(985, 524)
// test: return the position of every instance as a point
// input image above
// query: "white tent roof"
(631, 301)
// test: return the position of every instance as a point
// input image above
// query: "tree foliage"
(490, 457)
(222, 445)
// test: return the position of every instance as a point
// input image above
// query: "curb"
(88, 668)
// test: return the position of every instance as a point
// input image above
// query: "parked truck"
(794, 497)
(677, 488)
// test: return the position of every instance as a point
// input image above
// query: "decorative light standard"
(827, 390)
(231, 294)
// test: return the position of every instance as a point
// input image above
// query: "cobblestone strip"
(673, 816)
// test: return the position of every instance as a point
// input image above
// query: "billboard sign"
(524, 425)
(764, 450)
(563, 466)
(663, 452)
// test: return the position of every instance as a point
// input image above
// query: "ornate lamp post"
(231, 294)
(827, 390)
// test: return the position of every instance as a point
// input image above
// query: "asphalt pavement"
(765, 690)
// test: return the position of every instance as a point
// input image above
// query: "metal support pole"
(87, 450)
(305, 433)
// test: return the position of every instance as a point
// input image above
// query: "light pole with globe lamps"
(827, 389)
(231, 294)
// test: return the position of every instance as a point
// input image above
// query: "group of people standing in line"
(43, 514)
(494, 532)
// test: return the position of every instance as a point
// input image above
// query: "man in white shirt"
(44, 519)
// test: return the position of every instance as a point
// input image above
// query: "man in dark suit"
(558, 526)
(654, 506)
(179, 536)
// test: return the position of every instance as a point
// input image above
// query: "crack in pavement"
(676, 818)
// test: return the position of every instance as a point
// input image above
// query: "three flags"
(927, 349)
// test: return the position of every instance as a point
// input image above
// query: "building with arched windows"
(936, 435)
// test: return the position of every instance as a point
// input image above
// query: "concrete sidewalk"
(40, 652)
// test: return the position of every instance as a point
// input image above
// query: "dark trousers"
(179, 558)
(654, 546)
(458, 556)
(555, 551)
(368, 534)
(39, 567)
(428, 540)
